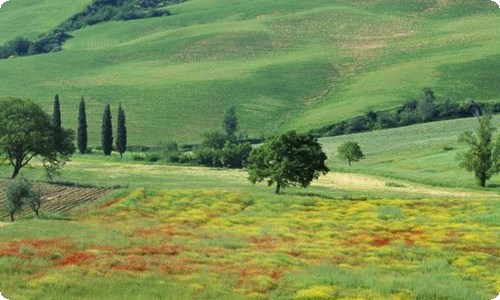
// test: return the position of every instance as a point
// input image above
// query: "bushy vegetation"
(116, 10)
(426, 109)
(20, 193)
(97, 12)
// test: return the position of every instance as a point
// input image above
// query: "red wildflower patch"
(132, 263)
(162, 249)
(409, 241)
(265, 242)
(42, 248)
(379, 242)
(109, 203)
(181, 266)
(75, 258)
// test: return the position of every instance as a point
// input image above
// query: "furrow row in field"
(57, 198)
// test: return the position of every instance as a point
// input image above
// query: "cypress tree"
(56, 116)
(121, 132)
(230, 122)
(82, 128)
(107, 131)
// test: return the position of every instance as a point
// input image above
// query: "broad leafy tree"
(483, 154)
(121, 132)
(107, 131)
(289, 159)
(82, 128)
(26, 131)
(350, 151)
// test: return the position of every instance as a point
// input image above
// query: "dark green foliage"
(121, 132)
(289, 159)
(106, 10)
(17, 47)
(107, 131)
(219, 150)
(411, 112)
(56, 116)
(230, 122)
(483, 155)
(97, 12)
(425, 107)
(350, 151)
(209, 157)
(82, 128)
(214, 140)
(26, 132)
(45, 43)
(235, 155)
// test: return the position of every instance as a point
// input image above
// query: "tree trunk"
(349, 161)
(12, 217)
(278, 187)
(16, 171)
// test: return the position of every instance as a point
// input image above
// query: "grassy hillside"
(29, 18)
(423, 153)
(283, 64)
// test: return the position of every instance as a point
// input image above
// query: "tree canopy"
(483, 154)
(350, 151)
(26, 131)
(289, 159)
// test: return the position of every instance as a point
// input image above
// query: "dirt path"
(361, 182)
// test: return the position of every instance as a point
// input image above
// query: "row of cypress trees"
(107, 128)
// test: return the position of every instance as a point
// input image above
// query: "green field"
(187, 232)
(406, 222)
(283, 64)
(213, 244)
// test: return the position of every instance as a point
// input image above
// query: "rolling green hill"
(283, 64)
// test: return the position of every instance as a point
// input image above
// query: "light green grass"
(29, 18)
(283, 64)
(423, 153)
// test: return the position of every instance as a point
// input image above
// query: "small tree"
(350, 151)
(107, 131)
(483, 155)
(425, 107)
(289, 159)
(121, 132)
(27, 132)
(230, 122)
(20, 192)
(82, 128)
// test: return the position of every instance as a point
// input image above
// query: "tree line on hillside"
(413, 111)
(96, 12)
